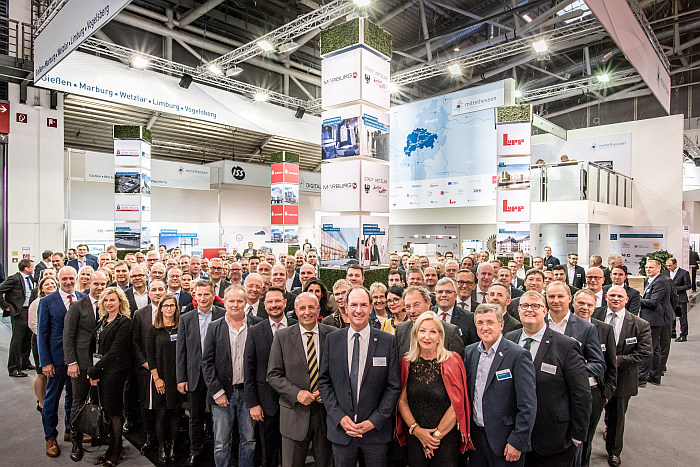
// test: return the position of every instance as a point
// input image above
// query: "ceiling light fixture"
(261, 97)
(540, 46)
(214, 69)
(527, 18)
(139, 62)
(455, 69)
(362, 3)
(266, 46)
(456, 49)
(393, 89)
(233, 71)
(518, 94)
(604, 78)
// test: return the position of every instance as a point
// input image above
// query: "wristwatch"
(437, 434)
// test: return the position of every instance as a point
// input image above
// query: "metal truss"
(580, 86)
(162, 65)
(169, 145)
(649, 31)
(555, 39)
(318, 18)
(48, 14)
(691, 147)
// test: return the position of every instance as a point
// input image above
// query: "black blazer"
(114, 344)
(634, 301)
(132, 301)
(184, 299)
(515, 293)
(472, 304)
(140, 325)
(510, 323)
(683, 283)
(78, 328)
(464, 320)
(519, 284)
(606, 336)
(38, 267)
(579, 279)
(656, 302)
(257, 354)
(587, 337)
(12, 294)
(509, 405)
(453, 339)
(222, 287)
(633, 347)
(189, 347)
(217, 361)
(563, 398)
(378, 393)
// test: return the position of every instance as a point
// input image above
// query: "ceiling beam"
(426, 35)
(195, 13)
(396, 11)
(470, 15)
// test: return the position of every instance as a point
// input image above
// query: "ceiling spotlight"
(287, 47)
(362, 3)
(456, 49)
(214, 69)
(518, 93)
(393, 89)
(266, 46)
(455, 69)
(138, 61)
(527, 18)
(604, 78)
(233, 71)
(261, 97)
(540, 46)
(185, 81)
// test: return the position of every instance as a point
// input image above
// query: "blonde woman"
(433, 408)
(394, 303)
(111, 356)
(83, 284)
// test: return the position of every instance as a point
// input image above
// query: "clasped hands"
(355, 430)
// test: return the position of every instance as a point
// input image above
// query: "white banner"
(479, 101)
(374, 195)
(242, 173)
(132, 208)
(613, 151)
(75, 22)
(475, 190)
(132, 153)
(357, 74)
(310, 181)
(341, 186)
(513, 139)
(375, 79)
(113, 81)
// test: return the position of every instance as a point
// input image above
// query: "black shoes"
(162, 456)
(682, 339)
(655, 382)
(192, 461)
(171, 451)
(18, 374)
(149, 445)
(642, 382)
(128, 426)
(614, 461)
(76, 453)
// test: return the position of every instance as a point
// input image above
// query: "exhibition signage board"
(340, 185)
(284, 197)
(132, 235)
(132, 153)
(613, 151)
(374, 189)
(284, 172)
(86, 75)
(620, 22)
(513, 193)
(244, 173)
(512, 238)
(353, 75)
(355, 130)
(352, 239)
(128, 207)
(513, 139)
(75, 22)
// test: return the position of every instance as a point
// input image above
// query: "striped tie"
(311, 361)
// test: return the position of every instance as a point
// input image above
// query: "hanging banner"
(513, 139)
(512, 238)
(513, 192)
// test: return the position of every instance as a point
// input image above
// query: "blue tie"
(29, 283)
(355, 370)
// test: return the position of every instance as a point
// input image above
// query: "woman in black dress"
(433, 408)
(111, 348)
(162, 341)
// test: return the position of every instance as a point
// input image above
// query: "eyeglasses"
(392, 301)
(216, 268)
(168, 305)
(531, 306)
(136, 276)
(598, 278)
(463, 283)
(437, 292)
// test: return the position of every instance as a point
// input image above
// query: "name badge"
(602, 347)
(503, 374)
(96, 357)
(379, 361)
(173, 337)
(631, 340)
(547, 368)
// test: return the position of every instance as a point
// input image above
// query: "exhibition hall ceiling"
(424, 32)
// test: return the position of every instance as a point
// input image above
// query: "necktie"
(311, 360)
(483, 297)
(250, 309)
(613, 321)
(97, 313)
(70, 298)
(355, 369)
(443, 316)
(29, 283)
(528, 343)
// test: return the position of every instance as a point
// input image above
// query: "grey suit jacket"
(78, 327)
(453, 339)
(288, 373)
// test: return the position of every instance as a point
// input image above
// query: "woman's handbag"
(90, 419)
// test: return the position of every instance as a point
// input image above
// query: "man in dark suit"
(465, 282)
(192, 330)
(681, 278)
(364, 360)
(417, 301)
(484, 276)
(174, 288)
(575, 275)
(549, 260)
(655, 310)
(293, 280)
(374, 251)
(559, 274)
(78, 328)
(137, 294)
(279, 279)
(618, 276)
(45, 263)
(216, 274)
(223, 362)
(505, 276)
(260, 397)
(594, 282)
(15, 295)
(584, 305)
(121, 275)
(501, 388)
(141, 323)
(50, 322)
(499, 294)
(448, 312)
(2, 274)
(83, 259)
(563, 391)
(633, 346)
(693, 260)
(293, 373)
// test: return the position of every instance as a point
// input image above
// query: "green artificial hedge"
(284, 156)
(378, 38)
(329, 275)
(505, 259)
(132, 132)
(514, 113)
(340, 36)
(661, 255)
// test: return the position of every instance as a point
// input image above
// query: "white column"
(604, 249)
(535, 247)
(584, 233)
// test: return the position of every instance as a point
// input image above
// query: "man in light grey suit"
(292, 372)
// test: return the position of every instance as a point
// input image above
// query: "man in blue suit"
(83, 259)
(501, 387)
(51, 314)
(364, 360)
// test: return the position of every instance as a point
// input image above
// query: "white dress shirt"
(535, 345)
(364, 347)
(288, 284)
(305, 339)
(481, 296)
(447, 315)
(466, 305)
(141, 299)
(570, 274)
(559, 327)
(620, 317)
(277, 326)
(64, 296)
(599, 298)
(252, 309)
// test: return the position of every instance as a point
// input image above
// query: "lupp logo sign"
(507, 208)
(512, 142)
(237, 172)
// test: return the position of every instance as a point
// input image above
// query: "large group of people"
(449, 362)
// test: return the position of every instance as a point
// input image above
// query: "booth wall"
(35, 176)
